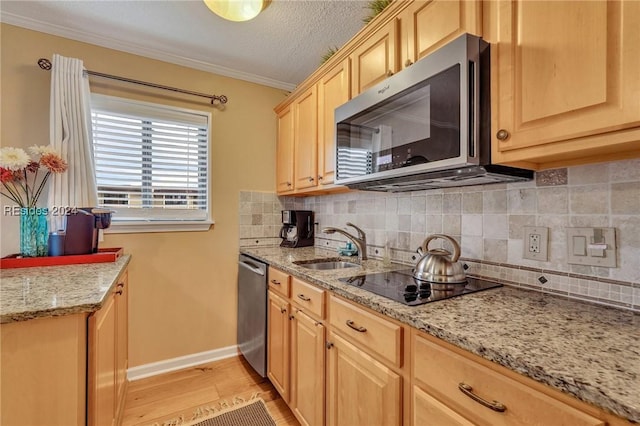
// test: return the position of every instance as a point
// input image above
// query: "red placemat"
(103, 255)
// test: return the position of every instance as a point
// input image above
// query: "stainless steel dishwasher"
(252, 312)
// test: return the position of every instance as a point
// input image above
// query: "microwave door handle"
(472, 107)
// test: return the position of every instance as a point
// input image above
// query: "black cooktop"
(402, 287)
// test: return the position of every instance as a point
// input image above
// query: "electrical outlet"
(536, 243)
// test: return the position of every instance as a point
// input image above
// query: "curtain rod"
(45, 64)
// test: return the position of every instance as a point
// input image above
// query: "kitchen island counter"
(27, 293)
(589, 351)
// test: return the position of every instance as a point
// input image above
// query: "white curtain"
(70, 134)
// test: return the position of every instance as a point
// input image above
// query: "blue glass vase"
(34, 231)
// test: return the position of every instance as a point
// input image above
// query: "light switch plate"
(536, 243)
(591, 246)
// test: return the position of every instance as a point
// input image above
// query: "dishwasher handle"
(252, 267)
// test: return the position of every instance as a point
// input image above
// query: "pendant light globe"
(237, 10)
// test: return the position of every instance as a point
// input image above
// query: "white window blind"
(151, 160)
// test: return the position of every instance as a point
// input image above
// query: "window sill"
(136, 227)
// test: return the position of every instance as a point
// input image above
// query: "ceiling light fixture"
(237, 10)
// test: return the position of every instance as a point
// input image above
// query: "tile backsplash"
(488, 222)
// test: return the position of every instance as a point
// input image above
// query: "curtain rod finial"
(45, 64)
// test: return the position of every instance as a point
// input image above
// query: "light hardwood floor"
(161, 399)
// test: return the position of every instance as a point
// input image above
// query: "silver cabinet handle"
(303, 297)
(502, 135)
(357, 328)
(494, 405)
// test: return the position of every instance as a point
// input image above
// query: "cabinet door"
(362, 391)
(429, 411)
(306, 139)
(122, 320)
(102, 361)
(428, 25)
(284, 152)
(375, 59)
(564, 70)
(307, 369)
(278, 344)
(443, 373)
(333, 90)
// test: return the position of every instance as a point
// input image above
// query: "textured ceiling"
(279, 48)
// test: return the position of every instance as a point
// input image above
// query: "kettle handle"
(454, 243)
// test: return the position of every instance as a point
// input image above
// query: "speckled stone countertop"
(27, 293)
(588, 351)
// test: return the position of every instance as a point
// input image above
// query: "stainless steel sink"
(325, 264)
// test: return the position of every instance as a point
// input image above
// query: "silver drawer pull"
(494, 405)
(356, 327)
(275, 282)
(303, 297)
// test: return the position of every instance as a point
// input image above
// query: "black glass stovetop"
(402, 287)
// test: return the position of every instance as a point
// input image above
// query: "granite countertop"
(27, 293)
(589, 351)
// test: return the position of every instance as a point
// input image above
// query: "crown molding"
(58, 30)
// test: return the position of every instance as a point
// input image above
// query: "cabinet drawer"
(441, 372)
(377, 334)
(309, 297)
(279, 281)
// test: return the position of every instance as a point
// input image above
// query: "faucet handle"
(361, 233)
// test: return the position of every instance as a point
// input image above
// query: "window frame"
(143, 225)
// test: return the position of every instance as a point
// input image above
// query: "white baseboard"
(168, 365)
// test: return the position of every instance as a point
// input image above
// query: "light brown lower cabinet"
(429, 411)
(351, 366)
(296, 340)
(107, 358)
(66, 370)
(307, 369)
(278, 344)
(43, 378)
(457, 389)
(362, 390)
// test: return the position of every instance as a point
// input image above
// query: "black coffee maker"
(297, 228)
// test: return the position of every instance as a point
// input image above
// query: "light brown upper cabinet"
(565, 81)
(305, 135)
(376, 58)
(333, 90)
(284, 152)
(428, 25)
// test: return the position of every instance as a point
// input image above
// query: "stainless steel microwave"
(427, 126)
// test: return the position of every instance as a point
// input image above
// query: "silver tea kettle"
(439, 265)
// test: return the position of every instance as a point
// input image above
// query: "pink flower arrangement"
(20, 174)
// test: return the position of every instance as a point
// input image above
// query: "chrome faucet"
(360, 241)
